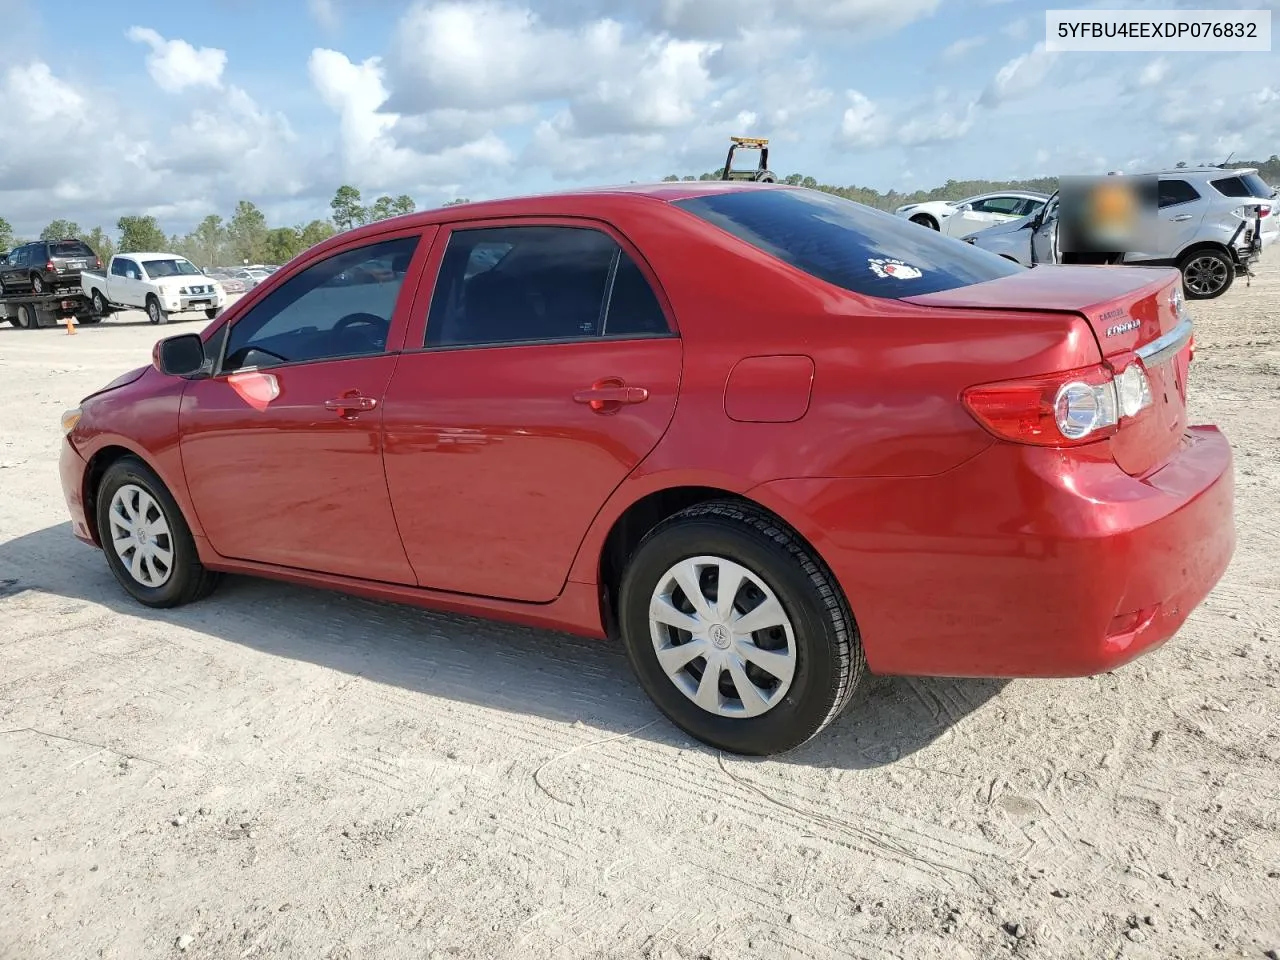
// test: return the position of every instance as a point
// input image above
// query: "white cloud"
(1017, 29)
(369, 153)
(1154, 73)
(175, 64)
(962, 46)
(867, 125)
(1020, 76)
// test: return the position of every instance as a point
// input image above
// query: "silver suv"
(1210, 225)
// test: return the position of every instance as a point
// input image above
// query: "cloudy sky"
(183, 108)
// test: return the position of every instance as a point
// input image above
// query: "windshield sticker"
(883, 267)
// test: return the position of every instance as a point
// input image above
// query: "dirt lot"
(277, 772)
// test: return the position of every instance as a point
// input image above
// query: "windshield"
(1257, 186)
(848, 244)
(177, 267)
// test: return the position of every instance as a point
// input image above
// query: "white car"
(160, 283)
(963, 218)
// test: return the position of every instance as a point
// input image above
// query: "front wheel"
(737, 630)
(147, 542)
(1207, 274)
(154, 313)
(210, 313)
(924, 220)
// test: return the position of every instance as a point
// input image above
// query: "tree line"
(1269, 170)
(246, 236)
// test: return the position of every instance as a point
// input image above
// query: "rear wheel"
(925, 221)
(99, 304)
(737, 630)
(1207, 274)
(147, 542)
(37, 284)
(154, 313)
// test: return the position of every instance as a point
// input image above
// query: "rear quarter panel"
(888, 376)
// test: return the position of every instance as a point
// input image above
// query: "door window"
(1006, 205)
(1170, 193)
(124, 268)
(338, 307)
(503, 285)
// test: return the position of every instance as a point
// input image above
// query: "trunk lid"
(1133, 312)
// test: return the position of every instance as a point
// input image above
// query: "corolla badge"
(885, 267)
(1119, 328)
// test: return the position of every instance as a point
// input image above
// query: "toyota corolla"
(769, 438)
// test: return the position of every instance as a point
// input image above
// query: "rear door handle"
(608, 395)
(350, 404)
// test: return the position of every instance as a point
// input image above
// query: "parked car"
(159, 283)
(1210, 224)
(961, 218)
(46, 266)
(637, 412)
(251, 277)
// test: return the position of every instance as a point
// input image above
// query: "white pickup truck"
(159, 283)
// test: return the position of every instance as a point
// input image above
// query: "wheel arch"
(96, 466)
(616, 540)
(1198, 245)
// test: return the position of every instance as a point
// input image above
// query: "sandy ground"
(278, 772)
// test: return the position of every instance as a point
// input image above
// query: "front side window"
(125, 268)
(847, 244)
(1006, 205)
(539, 283)
(336, 308)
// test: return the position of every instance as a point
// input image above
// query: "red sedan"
(769, 437)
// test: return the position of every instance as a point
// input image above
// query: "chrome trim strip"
(1166, 345)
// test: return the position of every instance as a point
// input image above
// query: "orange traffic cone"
(71, 326)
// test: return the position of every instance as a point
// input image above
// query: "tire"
(925, 221)
(25, 318)
(98, 303)
(1206, 273)
(766, 176)
(38, 285)
(154, 312)
(819, 640)
(211, 313)
(129, 483)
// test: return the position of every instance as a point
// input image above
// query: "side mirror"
(965, 207)
(180, 356)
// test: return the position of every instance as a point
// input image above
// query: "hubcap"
(140, 535)
(722, 637)
(1205, 275)
(154, 311)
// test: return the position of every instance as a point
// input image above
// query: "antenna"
(1229, 156)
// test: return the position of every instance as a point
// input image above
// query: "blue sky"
(185, 108)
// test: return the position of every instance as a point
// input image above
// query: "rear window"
(70, 248)
(848, 244)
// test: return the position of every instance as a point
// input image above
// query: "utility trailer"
(32, 310)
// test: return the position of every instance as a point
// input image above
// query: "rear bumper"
(1023, 562)
(71, 468)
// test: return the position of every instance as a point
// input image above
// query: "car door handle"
(608, 395)
(1180, 217)
(350, 403)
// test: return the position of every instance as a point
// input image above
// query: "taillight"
(49, 267)
(1264, 211)
(97, 263)
(1063, 409)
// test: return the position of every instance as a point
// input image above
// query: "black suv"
(46, 265)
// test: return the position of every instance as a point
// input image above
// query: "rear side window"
(1170, 193)
(70, 248)
(504, 285)
(847, 244)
